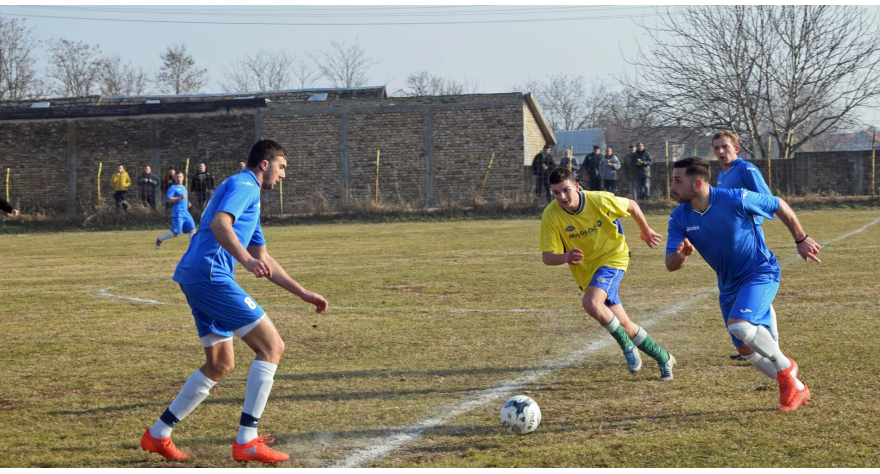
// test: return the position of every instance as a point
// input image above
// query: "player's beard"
(683, 198)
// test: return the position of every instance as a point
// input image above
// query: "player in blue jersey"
(230, 232)
(718, 223)
(181, 220)
(737, 173)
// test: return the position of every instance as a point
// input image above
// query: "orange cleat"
(256, 450)
(801, 397)
(163, 447)
(787, 385)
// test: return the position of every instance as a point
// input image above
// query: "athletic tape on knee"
(745, 332)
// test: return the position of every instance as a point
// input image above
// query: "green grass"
(82, 374)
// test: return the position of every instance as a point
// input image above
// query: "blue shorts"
(608, 279)
(220, 307)
(751, 302)
(182, 224)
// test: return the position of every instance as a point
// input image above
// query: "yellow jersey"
(594, 228)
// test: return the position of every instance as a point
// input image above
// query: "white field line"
(397, 440)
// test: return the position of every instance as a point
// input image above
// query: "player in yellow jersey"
(582, 229)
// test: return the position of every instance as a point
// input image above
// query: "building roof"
(582, 140)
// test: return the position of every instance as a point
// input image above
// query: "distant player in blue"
(230, 232)
(181, 220)
(737, 173)
(718, 223)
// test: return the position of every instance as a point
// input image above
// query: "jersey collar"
(251, 174)
(581, 208)
(711, 201)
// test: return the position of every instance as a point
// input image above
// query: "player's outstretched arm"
(807, 248)
(572, 258)
(282, 279)
(675, 261)
(221, 227)
(646, 233)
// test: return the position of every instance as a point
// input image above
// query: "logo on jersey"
(569, 228)
(247, 183)
(599, 223)
(745, 193)
(696, 227)
(583, 233)
(600, 280)
(747, 310)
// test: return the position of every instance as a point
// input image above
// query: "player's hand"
(651, 238)
(260, 268)
(685, 248)
(15, 212)
(574, 257)
(317, 300)
(808, 249)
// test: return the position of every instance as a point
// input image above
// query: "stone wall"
(434, 150)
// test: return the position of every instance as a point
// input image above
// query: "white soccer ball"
(520, 415)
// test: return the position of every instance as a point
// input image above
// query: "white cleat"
(666, 369)
(633, 359)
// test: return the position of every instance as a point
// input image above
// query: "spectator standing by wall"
(642, 164)
(542, 165)
(167, 182)
(630, 171)
(202, 184)
(121, 182)
(7, 208)
(568, 162)
(592, 167)
(241, 165)
(148, 183)
(609, 168)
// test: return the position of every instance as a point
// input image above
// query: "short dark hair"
(548, 146)
(695, 167)
(265, 149)
(559, 175)
(632, 146)
(597, 147)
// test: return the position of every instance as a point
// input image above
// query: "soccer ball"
(520, 415)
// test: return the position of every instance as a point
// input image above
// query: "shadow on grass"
(352, 374)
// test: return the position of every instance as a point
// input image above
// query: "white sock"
(612, 325)
(194, 391)
(762, 363)
(259, 384)
(758, 338)
(774, 329)
(166, 236)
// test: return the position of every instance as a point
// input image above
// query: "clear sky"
(506, 46)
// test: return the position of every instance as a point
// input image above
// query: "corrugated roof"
(582, 140)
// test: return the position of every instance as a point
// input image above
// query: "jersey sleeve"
(759, 204)
(756, 181)
(550, 240)
(674, 233)
(237, 199)
(257, 240)
(613, 206)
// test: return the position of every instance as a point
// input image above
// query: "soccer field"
(432, 326)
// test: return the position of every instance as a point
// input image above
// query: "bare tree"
(121, 79)
(264, 71)
(423, 83)
(75, 65)
(18, 74)
(570, 102)
(305, 74)
(179, 74)
(345, 65)
(786, 72)
(626, 120)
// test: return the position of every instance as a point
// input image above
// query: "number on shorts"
(248, 301)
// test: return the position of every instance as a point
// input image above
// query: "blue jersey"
(726, 237)
(178, 208)
(206, 260)
(743, 174)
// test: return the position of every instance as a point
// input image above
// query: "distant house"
(582, 142)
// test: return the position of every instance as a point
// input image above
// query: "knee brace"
(745, 332)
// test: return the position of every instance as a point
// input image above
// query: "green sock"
(644, 342)
(616, 330)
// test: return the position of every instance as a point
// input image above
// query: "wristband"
(799, 241)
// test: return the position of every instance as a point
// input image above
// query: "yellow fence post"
(100, 166)
(8, 171)
(769, 164)
(186, 174)
(487, 174)
(570, 156)
(281, 195)
(667, 170)
(377, 177)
